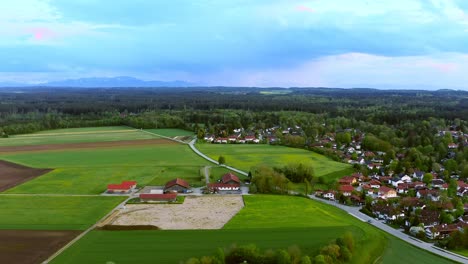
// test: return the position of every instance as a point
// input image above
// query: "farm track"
(86, 145)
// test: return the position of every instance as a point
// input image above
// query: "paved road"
(192, 146)
(354, 211)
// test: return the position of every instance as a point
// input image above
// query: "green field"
(76, 135)
(171, 132)
(244, 156)
(270, 222)
(88, 171)
(54, 212)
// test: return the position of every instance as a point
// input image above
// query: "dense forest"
(406, 123)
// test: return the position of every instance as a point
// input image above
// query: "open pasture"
(76, 135)
(54, 212)
(244, 156)
(171, 132)
(88, 171)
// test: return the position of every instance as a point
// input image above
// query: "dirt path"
(207, 174)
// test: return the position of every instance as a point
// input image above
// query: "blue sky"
(334, 43)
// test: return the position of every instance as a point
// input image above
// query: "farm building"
(155, 197)
(124, 187)
(230, 178)
(216, 187)
(177, 185)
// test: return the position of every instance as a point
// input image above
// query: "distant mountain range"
(122, 81)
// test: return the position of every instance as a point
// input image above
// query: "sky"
(407, 44)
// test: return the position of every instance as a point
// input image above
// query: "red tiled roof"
(129, 183)
(346, 188)
(385, 189)
(167, 196)
(177, 181)
(117, 187)
(230, 177)
(125, 185)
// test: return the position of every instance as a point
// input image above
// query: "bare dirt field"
(12, 174)
(197, 212)
(87, 145)
(31, 246)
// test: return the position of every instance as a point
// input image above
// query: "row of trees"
(339, 251)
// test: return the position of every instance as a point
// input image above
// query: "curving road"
(354, 211)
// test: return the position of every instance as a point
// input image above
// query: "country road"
(354, 211)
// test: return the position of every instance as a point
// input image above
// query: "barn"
(156, 197)
(230, 178)
(177, 185)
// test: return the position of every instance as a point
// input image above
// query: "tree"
(427, 178)
(221, 160)
(306, 260)
(283, 257)
(319, 259)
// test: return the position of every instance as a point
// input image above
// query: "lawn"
(244, 156)
(171, 132)
(76, 135)
(88, 171)
(54, 212)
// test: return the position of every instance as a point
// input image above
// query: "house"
(156, 197)
(386, 212)
(437, 183)
(433, 194)
(347, 180)
(124, 187)
(411, 202)
(176, 185)
(356, 200)
(402, 188)
(444, 230)
(386, 192)
(406, 178)
(429, 217)
(249, 138)
(330, 195)
(346, 190)
(232, 138)
(395, 181)
(230, 178)
(375, 184)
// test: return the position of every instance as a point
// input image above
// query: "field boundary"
(69, 244)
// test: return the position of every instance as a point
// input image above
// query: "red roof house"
(176, 185)
(346, 189)
(230, 178)
(124, 187)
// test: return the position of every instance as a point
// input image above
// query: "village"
(429, 204)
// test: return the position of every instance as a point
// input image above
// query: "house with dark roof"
(429, 217)
(177, 185)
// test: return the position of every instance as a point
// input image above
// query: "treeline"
(339, 251)
(275, 180)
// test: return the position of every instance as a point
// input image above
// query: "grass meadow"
(88, 171)
(76, 135)
(54, 212)
(270, 222)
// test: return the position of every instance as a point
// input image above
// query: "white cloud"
(444, 70)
